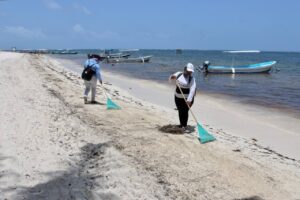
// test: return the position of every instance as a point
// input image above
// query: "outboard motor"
(205, 66)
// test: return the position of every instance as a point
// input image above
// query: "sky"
(268, 25)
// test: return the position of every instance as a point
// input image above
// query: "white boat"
(141, 59)
(113, 53)
(64, 52)
(263, 67)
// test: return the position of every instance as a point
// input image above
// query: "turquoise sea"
(280, 88)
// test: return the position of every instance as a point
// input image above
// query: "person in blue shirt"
(93, 62)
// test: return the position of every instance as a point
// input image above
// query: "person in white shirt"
(187, 84)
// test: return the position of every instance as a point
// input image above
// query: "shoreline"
(244, 100)
(272, 127)
(53, 145)
(133, 88)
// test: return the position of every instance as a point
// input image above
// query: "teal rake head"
(203, 135)
(110, 105)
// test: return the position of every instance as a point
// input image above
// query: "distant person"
(205, 66)
(93, 67)
(187, 84)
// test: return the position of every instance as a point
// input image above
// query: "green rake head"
(203, 135)
(110, 105)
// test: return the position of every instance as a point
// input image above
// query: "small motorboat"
(64, 52)
(114, 55)
(263, 67)
(141, 59)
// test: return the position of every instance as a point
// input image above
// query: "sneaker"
(184, 129)
(85, 100)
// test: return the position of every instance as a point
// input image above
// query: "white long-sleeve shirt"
(187, 85)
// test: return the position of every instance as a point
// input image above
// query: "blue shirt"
(95, 67)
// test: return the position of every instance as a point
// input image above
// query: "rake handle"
(187, 103)
(104, 90)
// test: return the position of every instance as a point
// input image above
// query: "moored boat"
(64, 52)
(114, 55)
(141, 59)
(263, 67)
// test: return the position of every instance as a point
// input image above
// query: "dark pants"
(183, 110)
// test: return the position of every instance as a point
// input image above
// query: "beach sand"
(52, 146)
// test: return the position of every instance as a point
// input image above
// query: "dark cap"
(95, 56)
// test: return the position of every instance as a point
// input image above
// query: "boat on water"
(141, 59)
(69, 52)
(263, 67)
(114, 55)
(32, 51)
(64, 52)
(178, 51)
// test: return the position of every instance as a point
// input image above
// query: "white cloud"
(78, 29)
(52, 5)
(20, 31)
(82, 9)
(86, 11)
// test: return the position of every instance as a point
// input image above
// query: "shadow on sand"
(251, 198)
(77, 183)
(6, 173)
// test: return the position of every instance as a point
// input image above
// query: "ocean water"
(280, 88)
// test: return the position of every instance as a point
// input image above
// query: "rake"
(110, 105)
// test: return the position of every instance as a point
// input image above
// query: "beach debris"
(170, 128)
(251, 198)
(95, 150)
(107, 83)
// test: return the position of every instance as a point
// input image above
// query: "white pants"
(92, 84)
